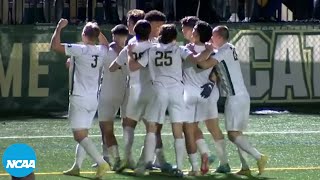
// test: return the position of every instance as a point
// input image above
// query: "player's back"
(86, 69)
(165, 64)
(192, 74)
(230, 71)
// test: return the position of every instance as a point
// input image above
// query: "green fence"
(280, 64)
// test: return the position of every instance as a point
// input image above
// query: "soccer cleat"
(244, 172)
(223, 169)
(102, 170)
(72, 172)
(95, 165)
(116, 165)
(211, 158)
(142, 170)
(261, 163)
(176, 172)
(194, 173)
(126, 164)
(166, 167)
(204, 164)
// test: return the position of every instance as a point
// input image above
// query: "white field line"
(163, 134)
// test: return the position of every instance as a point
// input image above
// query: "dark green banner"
(280, 64)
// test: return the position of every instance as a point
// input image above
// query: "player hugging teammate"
(147, 78)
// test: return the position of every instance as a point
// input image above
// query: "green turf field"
(290, 140)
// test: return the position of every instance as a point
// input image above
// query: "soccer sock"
(180, 147)
(193, 158)
(114, 152)
(243, 143)
(202, 146)
(142, 155)
(128, 135)
(80, 156)
(105, 151)
(149, 147)
(91, 149)
(159, 157)
(242, 156)
(221, 151)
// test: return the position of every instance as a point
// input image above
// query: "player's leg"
(179, 146)
(220, 145)
(110, 144)
(236, 122)
(244, 170)
(188, 129)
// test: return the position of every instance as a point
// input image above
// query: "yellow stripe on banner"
(130, 171)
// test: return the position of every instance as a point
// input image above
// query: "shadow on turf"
(158, 175)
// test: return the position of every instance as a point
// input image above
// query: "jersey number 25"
(163, 58)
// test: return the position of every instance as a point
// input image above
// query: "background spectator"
(248, 9)
(316, 10)
(17, 11)
(4, 11)
(267, 12)
(53, 10)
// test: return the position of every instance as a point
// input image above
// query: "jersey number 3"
(95, 59)
(163, 58)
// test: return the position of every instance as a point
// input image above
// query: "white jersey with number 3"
(87, 63)
(229, 70)
(165, 63)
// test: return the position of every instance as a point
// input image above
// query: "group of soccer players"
(147, 77)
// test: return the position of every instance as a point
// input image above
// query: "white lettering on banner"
(253, 50)
(21, 164)
(12, 76)
(288, 70)
(312, 42)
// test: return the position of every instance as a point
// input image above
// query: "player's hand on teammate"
(190, 46)
(62, 23)
(207, 89)
(209, 46)
(130, 48)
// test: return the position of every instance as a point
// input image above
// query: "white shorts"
(82, 111)
(199, 109)
(112, 97)
(164, 98)
(237, 109)
(138, 99)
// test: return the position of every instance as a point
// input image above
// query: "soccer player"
(133, 16)
(165, 65)
(139, 89)
(87, 63)
(187, 24)
(204, 110)
(112, 96)
(237, 106)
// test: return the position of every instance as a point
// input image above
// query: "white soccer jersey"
(87, 63)
(165, 63)
(193, 75)
(229, 70)
(142, 75)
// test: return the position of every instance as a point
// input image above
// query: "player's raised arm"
(55, 43)
(204, 55)
(103, 40)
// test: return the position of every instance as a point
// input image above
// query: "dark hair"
(204, 30)
(222, 31)
(92, 31)
(168, 33)
(142, 30)
(135, 15)
(189, 21)
(120, 29)
(155, 15)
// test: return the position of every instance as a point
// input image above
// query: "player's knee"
(151, 127)
(127, 122)
(232, 135)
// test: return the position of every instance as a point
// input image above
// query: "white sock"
(128, 136)
(193, 158)
(180, 146)
(114, 152)
(149, 147)
(159, 158)
(202, 146)
(243, 143)
(243, 156)
(221, 151)
(80, 156)
(105, 151)
(142, 155)
(91, 149)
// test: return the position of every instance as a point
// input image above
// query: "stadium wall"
(280, 64)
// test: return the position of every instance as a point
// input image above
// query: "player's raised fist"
(62, 23)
